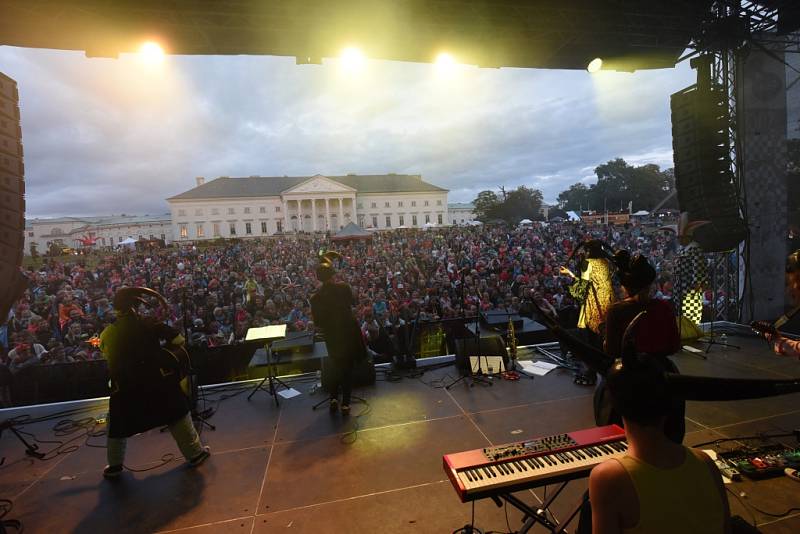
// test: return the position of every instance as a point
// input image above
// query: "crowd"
(217, 292)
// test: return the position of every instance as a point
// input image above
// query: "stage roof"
(567, 34)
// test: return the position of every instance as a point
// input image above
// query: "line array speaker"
(702, 167)
(12, 196)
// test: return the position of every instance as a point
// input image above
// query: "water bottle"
(317, 383)
(723, 339)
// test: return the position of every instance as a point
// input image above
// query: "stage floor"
(298, 471)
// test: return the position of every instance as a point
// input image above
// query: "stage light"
(595, 65)
(352, 58)
(445, 61)
(151, 52)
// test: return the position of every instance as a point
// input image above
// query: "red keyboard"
(526, 464)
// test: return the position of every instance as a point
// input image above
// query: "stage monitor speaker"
(487, 346)
(12, 199)
(703, 176)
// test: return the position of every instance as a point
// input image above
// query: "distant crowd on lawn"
(217, 292)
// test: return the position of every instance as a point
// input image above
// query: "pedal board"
(763, 462)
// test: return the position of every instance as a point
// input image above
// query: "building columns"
(327, 214)
(341, 212)
(314, 214)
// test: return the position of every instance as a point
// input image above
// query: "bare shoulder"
(609, 475)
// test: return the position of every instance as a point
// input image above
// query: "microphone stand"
(479, 378)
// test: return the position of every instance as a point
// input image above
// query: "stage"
(291, 469)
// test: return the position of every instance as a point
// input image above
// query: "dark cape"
(142, 397)
(331, 306)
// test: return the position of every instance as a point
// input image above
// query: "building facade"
(461, 213)
(40, 234)
(261, 206)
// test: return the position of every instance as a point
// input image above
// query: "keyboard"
(492, 471)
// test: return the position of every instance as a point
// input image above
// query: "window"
(198, 211)
(361, 221)
(386, 205)
(426, 202)
(232, 228)
(201, 231)
(152, 236)
(247, 210)
(277, 209)
(413, 220)
(248, 228)
(262, 209)
(374, 205)
(400, 204)
(184, 231)
(360, 206)
(427, 218)
(402, 221)
(163, 237)
(263, 227)
(181, 213)
(374, 221)
(30, 234)
(214, 211)
(215, 229)
(413, 203)
(279, 225)
(439, 218)
(438, 202)
(388, 221)
(231, 211)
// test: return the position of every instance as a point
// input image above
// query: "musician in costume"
(145, 380)
(659, 486)
(595, 270)
(332, 309)
(780, 344)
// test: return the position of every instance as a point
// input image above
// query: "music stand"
(268, 334)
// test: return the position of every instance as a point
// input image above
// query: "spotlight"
(445, 60)
(151, 52)
(352, 58)
(595, 65)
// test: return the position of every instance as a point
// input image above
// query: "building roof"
(101, 220)
(461, 206)
(273, 186)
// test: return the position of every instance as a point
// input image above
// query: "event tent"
(351, 231)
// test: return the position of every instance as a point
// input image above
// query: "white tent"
(127, 243)
(475, 223)
(526, 221)
(573, 216)
(428, 225)
(641, 213)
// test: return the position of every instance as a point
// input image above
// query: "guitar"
(763, 328)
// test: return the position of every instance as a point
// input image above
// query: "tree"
(576, 198)
(619, 184)
(486, 206)
(521, 203)
(517, 204)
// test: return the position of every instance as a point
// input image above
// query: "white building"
(109, 230)
(259, 206)
(461, 213)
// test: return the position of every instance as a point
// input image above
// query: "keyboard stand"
(533, 516)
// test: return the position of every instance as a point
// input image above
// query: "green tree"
(575, 198)
(521, 203)
(486, 206)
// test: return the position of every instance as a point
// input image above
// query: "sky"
(109, 136)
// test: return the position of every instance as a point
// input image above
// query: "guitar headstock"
(763, 328)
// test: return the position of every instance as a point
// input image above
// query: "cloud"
(109, 136)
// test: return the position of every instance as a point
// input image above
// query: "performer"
(655, 335)
(331, 307)
(691, 270)
(781, 344)
(145, 381)
(595, 269)
(658, 486)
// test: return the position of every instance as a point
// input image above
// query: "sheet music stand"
(268, 334)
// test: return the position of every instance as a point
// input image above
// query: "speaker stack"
(12, 196)
(703, 175)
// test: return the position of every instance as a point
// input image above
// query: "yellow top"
(683, 499)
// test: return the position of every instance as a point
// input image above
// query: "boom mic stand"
(31, 449)
(711, 335)
(474, 378)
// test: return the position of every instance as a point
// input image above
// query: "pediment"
(319, 184)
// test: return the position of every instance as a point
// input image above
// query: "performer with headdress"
(332, 308)
(145, 380)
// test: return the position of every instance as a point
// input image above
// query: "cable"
(5, 508)
(764, 436)
(350, 437)
(745, 506)
(470, 527)
(742, 497)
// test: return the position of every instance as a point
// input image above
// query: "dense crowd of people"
(217, 292)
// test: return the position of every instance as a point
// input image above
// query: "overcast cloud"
(108, 136)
